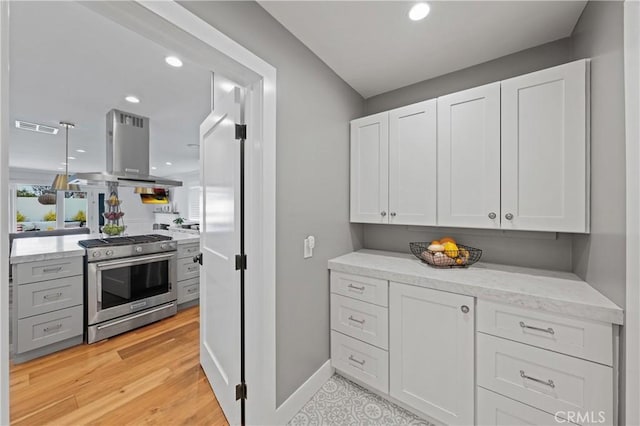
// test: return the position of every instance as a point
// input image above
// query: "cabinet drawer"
(582, 338)
(32, 272)
(364, 321)
(372, 290)
(188, 290)
(42, 330)
(46, 296)
(188, 250)
(543, 379)
(187, 269)
(364, 362)
(497, 410)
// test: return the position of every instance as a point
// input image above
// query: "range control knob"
(96, 254)
(109, 252)
(164, 246)
(138, 249)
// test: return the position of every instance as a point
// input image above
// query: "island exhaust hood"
(127, 155)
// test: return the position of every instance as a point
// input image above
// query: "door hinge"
(241, 131)
(241, 262)
(241, 391)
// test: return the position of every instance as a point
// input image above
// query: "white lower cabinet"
(422, 348)
(498, 410)
(431, 352)
(360, 360)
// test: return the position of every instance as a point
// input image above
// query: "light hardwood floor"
(148, 376)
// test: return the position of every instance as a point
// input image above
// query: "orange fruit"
(435, 242)
(447, 240)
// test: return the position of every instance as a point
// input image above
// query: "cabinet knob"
(393, 214)
(383, 213)
(492, 215)
(464, 309)
(508, 216)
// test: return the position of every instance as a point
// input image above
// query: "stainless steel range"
(131, 282)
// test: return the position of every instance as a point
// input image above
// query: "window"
(195, 202)
(38, 208)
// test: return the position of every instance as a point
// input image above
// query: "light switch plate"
(309, 244)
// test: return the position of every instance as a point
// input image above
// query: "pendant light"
(61, 181)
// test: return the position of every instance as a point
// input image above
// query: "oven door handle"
(134, 261)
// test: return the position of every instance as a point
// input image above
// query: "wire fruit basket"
(462, 257)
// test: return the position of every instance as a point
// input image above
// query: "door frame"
(631, 354)
(175, 27)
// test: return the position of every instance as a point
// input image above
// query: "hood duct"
(127, 155)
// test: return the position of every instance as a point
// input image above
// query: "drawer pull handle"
(192, 290)
(352, 358)
(52, 328)
(355, 287)
(57, 269)
(544, 330)
(533, 379)
(351, 318)
(52, 296)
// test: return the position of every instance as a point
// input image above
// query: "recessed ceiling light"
(71, 158)
(153, 167)
(64, 164)
(80, 150)
(60, 168)
(168, 163)
(419, 11)
(173, 61)
(132, 99)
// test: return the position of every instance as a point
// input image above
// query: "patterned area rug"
(342, 402)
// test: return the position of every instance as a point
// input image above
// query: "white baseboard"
(303, 394)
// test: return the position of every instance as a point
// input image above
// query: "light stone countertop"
(558, 292)
(46, 248)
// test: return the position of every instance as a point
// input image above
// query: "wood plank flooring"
(149, 376)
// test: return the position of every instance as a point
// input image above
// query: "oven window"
(130, 283)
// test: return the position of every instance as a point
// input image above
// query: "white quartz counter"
(46, 248)
(558, 292)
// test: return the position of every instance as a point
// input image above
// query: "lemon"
(450, 249)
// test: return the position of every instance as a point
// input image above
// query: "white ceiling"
(70, 64)
(375, 48)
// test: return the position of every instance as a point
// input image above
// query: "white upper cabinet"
(469, 158)
(412, 164)
(545, 150)
(370, 169)
(506, 155)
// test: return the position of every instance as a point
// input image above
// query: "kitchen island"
(53, 288)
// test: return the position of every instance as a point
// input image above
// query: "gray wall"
(534, 59)
(534, 250)
(600, 257)
(314, 107)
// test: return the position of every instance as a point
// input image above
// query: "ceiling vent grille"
(34, 127)
(132, 120)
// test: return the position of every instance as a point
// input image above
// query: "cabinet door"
(545, 150)
(431, 352)
(370, 169)
(412, 164)
(469, 158)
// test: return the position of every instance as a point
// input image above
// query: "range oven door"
(120, 287)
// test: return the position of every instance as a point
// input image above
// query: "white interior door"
(469, 158)
(220, 243)
(412, 164)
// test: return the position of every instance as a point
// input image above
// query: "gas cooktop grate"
(123, 241)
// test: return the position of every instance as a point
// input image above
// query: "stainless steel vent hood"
(127, 155)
